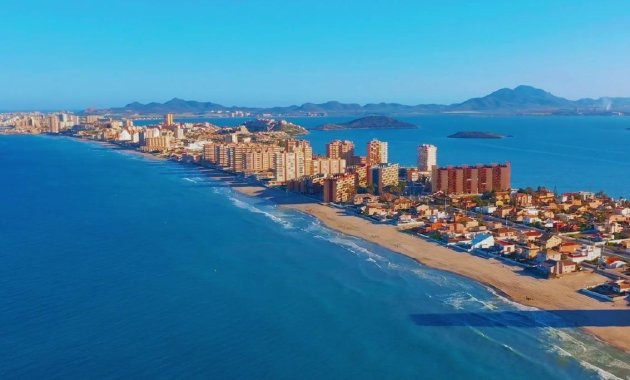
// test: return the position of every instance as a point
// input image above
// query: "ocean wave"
(499, 343)
(464, 300)
(250, 207)
(508, 301)
(587, 351)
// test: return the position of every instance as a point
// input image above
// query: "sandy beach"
(609, 322)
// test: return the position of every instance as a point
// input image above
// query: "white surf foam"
(464, 300)
(250, 207)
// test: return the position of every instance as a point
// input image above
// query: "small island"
(476, 135)
(368, 122)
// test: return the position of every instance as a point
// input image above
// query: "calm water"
(117, 266)
(568, 153)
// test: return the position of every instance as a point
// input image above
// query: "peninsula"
(565, 253)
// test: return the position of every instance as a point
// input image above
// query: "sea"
(114, 265)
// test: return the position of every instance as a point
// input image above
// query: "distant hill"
(272, 125)
(520, 100)
(368, 122)
(174, 105)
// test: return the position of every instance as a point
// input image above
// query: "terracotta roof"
(568, 244)
(533, 233)
(504, 243)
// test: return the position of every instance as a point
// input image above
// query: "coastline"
(558, 296)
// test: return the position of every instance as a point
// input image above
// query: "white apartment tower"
(427, 157)
(288, 166)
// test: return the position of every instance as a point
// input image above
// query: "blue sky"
(77, 54)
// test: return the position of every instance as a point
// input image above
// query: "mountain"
(368, 122)
(332, 106)
(174, 105)
(520, 100)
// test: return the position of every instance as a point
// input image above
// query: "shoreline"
(558, 296)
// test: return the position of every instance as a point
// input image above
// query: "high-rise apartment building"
(288, 166)
(340, 188)
(471, 179)
(376, 153)
(161, 143)
(340, 149)
(382, 176)
(179, 133)
(168, 119)
(304, 147)
(260, 158)
(53, 124)
(361, 175)
(328, 166)
(427, 157)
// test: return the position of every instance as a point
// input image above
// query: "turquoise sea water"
(569, 153)
(113, 265)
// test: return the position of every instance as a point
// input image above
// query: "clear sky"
(86, 53)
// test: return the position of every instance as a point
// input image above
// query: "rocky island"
(368, 122)
(476, 135)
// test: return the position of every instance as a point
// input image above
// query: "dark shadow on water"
(527, 318)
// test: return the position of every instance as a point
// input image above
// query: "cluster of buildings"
(554, 233)
(472, 207)
(36, 122)
(335, 177)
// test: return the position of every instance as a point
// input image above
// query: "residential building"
(482, 241)
(427, 157)
(553, 268)
(161, 143)
(304, 147)
(381, 176)
(328, 166)
(168, 119)
(288, 166)
(312, 184)
(361, 174)
(376, 153)
(339, 188)
(339, 149)
(471, 179)
(179, 133)
(260, 158)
